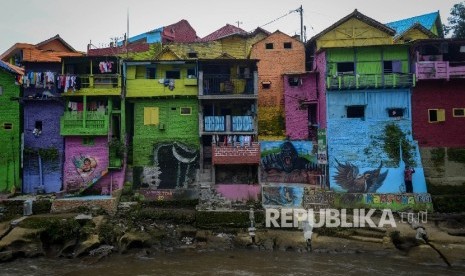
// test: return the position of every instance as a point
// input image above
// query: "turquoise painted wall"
(10, 162)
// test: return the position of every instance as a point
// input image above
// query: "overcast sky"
(79, 22)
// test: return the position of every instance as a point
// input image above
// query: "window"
(287, 45)
(436, 115)
(458, 112)
(269, 46)
(38, 125)
(266, 84)
(345, 67)
(88, 141)
(7, 126)
(392, 66)
(356, 111)
(191, 73)
(173, 74)
(192, 55)
(186, 110)
(294, 81)
(395, 112)
(151, 116)
(150, 72)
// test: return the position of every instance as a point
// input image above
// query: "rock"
(134, 239)
(6, 256)
(83, 217)
(92, 242)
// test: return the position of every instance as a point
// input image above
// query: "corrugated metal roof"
(426, 20)
(223, 32)
(11, 68)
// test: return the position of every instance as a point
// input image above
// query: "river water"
(237, 262)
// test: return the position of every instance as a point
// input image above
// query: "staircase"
(209, 199)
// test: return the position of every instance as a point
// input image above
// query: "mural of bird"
(349, 178)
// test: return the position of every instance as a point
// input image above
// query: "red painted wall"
(438, 95)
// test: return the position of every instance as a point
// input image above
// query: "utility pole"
(301, 11)
(238, 23)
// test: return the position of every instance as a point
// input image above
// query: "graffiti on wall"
(85, 165)
(288, 162)
(283, 195)
(175, 166)
(349, 178)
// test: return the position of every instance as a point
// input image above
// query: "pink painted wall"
(239, 192)
(76, 176)
(297, 114)
(319, 65)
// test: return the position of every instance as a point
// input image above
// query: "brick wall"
(236, 154)
(273, 63)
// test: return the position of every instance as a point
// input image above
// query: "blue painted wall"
(358, 142)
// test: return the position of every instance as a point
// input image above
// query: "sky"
(101, 21)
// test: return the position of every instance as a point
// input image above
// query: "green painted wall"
(369, 60)
(9, 138)
(177, 127)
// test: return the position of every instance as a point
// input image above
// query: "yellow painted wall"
(352, 33)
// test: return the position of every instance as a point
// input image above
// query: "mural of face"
(288, 156)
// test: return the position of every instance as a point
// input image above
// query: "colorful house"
(438, 104)
(10, 128)
(369, 117)
(93, 125)
(162, 110)
(43, 146)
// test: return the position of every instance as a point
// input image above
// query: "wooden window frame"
(184, 108)
(458, 116)
(440, 115)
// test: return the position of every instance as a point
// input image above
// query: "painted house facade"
(43, 146)
(438, 107)
(278, 54)
(93, 125)
(163, 125)
(369, 116)
(10, 128)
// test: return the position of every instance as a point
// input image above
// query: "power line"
(274, 20)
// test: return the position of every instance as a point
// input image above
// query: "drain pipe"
(423, 236)
(307, 228)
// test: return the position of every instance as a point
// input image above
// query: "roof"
(426, 20)
(180, 31)
(11, 68)
(358, 15)
(34, 53)
(222, 32)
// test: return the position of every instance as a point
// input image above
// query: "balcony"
(373, 81)
(161, 87)
(246, 154)
(435, 70)
(228, 124)
(224, 86)
(84, 123)
(97, 84)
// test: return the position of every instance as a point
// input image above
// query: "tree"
(456, 21)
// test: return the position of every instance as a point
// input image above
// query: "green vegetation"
(394, 138)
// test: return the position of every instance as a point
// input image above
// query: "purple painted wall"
(76, 173)
(319, 65)
(239, 192)
(47, 112)
(296, 102)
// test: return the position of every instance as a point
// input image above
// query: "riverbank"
(92, 235)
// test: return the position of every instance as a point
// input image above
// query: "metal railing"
(225, 84)
(100, 81)
(362, 81)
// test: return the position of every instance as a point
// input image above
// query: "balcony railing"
(226, 85)
(375, 81)
(100, 84)
(228, 124)
(440, 70)
(161, 87)
(74, 123)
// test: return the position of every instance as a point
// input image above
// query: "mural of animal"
(287, 160)
(349, 178)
